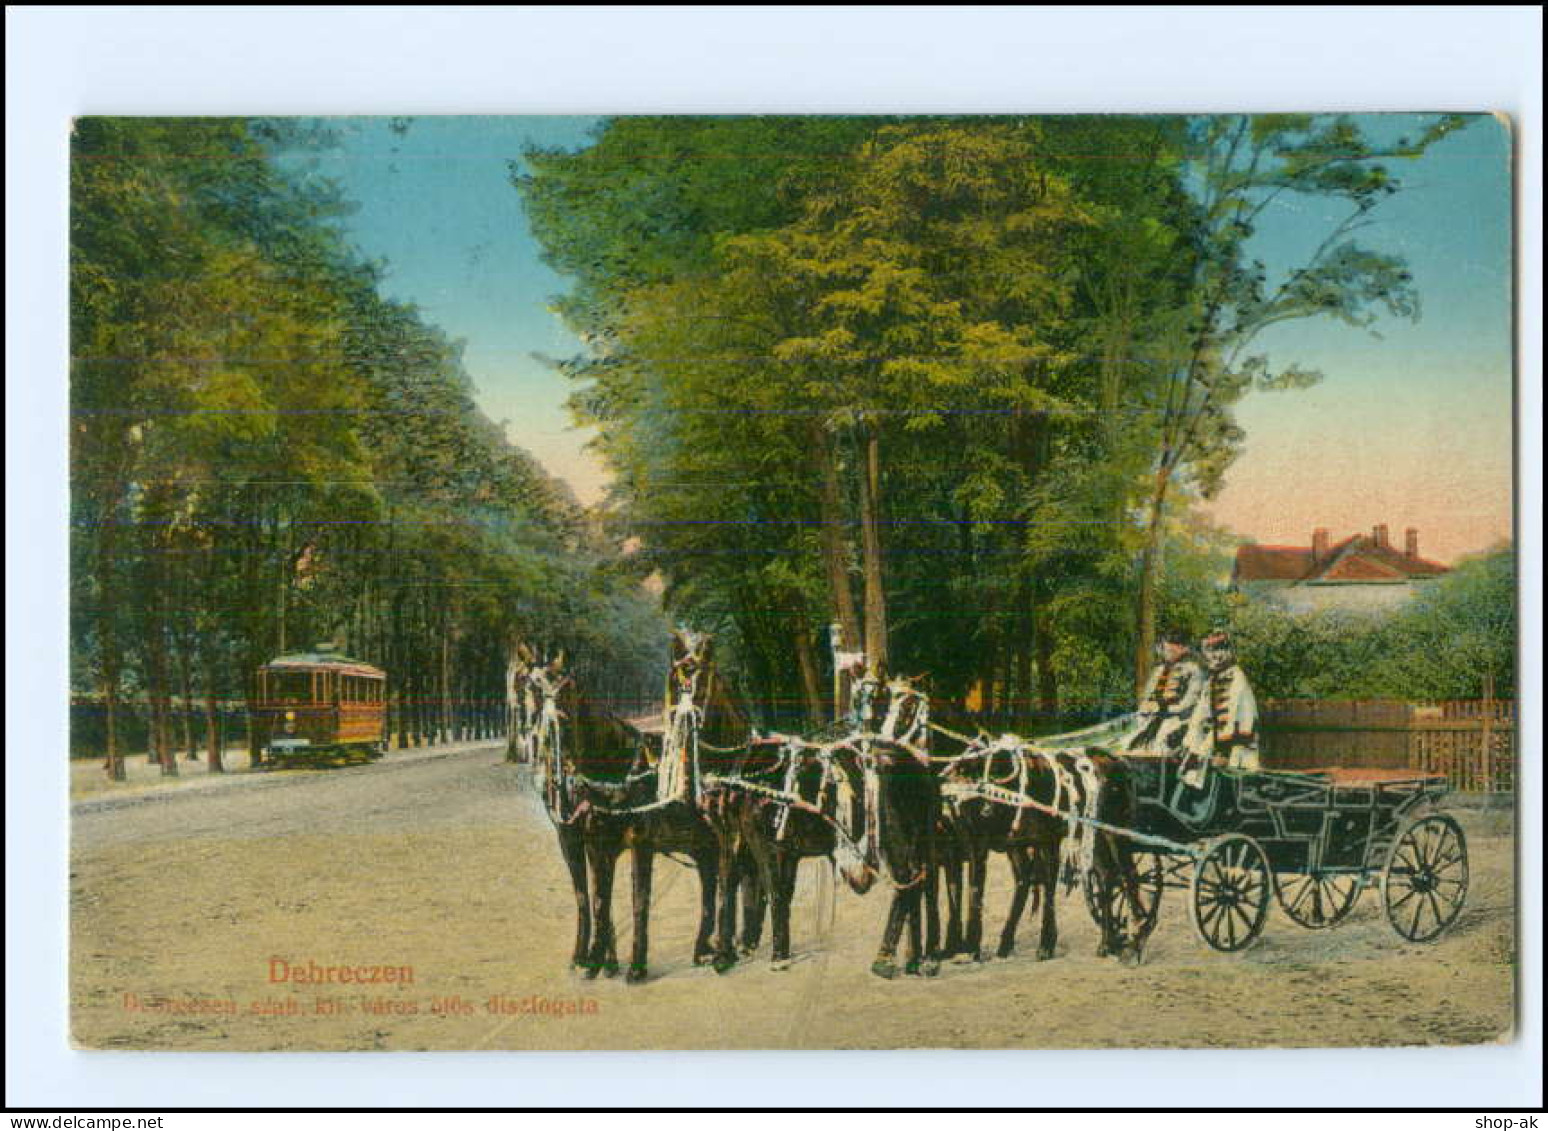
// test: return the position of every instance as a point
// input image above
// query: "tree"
(1244, 166)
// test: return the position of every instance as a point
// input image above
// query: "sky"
(1411, 428)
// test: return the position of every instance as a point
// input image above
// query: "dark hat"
(1172, 636)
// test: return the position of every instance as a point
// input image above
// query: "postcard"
(810, 582)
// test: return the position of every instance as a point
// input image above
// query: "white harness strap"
(550, 764)
(1065, 803)
(679, 770)
(792, 754)
(870, 840)
(1091, 779)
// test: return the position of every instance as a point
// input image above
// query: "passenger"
(864, 687)
(1166, 709)
(1224, 730)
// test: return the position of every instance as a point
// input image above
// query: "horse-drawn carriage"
(1312, 839)
(891, 795)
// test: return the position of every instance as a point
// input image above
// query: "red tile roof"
(1356, 558)
(1361, 567)
(1273, 563)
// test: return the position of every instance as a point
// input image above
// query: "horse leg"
(604, 954)
(1045, 864)
(1107, 873)
(915, 950)
(784, 868)
(932, 895)
(643, 858)
(708, 864)
(1021, 867)
(884, 966)
(725, 933)
(768, 866)
(754, 903)
(978, 867)
(953, 869)
(573, 849)
(1132, 949)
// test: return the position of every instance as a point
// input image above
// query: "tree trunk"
(112, 657)
(989, 665)
(835, 549)
(1145, 604)
(254, 754)
(811, 686)
(185, 683)
(444, 720)
(160, 701)
(114, 765)
(871, 544)
(1022, 697)
(1007, 713)
(1047, 680)
(213, 739)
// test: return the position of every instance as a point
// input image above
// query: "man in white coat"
(1167, 707)
(1224, 729)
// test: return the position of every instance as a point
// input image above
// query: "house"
(1363, 573)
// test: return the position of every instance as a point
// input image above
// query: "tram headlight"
(290, 722)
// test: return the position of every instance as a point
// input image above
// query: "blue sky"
(1412, 428)
(437, 204)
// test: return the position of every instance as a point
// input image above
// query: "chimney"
(1411, 542)
(1379, 536)
(1319, 545)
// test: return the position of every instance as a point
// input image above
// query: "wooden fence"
(1472, 741)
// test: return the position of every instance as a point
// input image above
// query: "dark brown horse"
(906, 804)
(1010, 796)
(556, 745)
(659, 807)
(787, 800)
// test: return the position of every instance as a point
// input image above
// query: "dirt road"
(187, 906)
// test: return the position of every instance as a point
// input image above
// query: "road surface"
(436, 885)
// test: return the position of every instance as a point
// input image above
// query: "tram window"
(347, 683)
(290, 687)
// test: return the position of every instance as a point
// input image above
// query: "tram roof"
(333, 661)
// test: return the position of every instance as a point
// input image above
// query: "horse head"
(907, 712)
(855, 850)
(692, 653)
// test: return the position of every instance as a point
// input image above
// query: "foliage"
(267, 454)
(1035, 330)
(1440, 645)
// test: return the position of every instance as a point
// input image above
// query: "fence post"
(1486, 733)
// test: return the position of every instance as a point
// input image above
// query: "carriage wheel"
(1230, 892)
(1104, 892)
(1318, 900)
(1425, 880)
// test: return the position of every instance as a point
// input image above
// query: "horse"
(659, 809)
(553, 747)
(900, 811)
(1029, 822)
(521, 700)
(787, 800)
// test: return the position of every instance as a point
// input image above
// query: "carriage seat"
(1361, 775)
